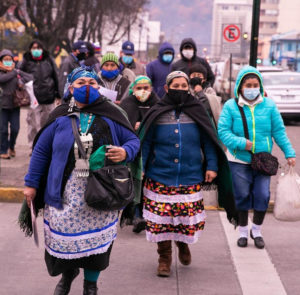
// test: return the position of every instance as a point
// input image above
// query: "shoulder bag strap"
(244, 122)
(77, 137)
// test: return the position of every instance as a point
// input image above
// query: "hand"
(248, 145)
(7, 69)
(117, 102)
(116, 154)
(291, 161)
(198, 88)
(57, 102)
(29, 193)
(210, 175)
(137, 125)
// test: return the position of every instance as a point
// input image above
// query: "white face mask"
(142, 95)
(188, 53)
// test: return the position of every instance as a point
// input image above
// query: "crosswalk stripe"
(255, 270)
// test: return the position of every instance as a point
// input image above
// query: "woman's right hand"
(29, 193)
(249, 145)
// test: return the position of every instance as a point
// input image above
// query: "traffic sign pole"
(254, 33)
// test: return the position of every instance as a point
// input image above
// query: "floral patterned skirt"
(173, 213)
(78, 230)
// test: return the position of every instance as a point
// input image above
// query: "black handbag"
(108, 188)
(263, 162)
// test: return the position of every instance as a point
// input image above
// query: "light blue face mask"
(127, 59)
(7, 63)
(167, 58)
(36, 52)
(251, 93)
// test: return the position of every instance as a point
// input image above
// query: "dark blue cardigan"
(54, 146)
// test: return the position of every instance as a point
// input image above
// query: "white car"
(284, 89)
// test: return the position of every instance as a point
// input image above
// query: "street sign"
(231, 38)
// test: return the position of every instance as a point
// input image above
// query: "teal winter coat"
(264, 124)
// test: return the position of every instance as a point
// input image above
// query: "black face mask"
(81, 56)
(178, 96)
(196, 81)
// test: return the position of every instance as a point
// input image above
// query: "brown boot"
(165, 258)
(184, 253)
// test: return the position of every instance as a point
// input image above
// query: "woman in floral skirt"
(181, 157)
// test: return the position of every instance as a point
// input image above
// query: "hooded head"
(241, 78)
(165, 47)
(188, 42)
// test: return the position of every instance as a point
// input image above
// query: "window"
(271, 12)
(289, 46)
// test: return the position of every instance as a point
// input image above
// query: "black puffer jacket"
(184, 64)
(44, 71)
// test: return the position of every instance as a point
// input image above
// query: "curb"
(15, 195)
(11, 195)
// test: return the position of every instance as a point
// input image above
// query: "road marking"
(255, 270)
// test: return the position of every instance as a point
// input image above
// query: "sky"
(183, 18)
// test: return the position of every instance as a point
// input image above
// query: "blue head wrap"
(77, 73)
(82, 71)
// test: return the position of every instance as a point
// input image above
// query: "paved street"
(218, 266)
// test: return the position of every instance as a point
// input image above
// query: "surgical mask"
(127, 59)
(167, 58)
(178, 96)
(7, 63)
(188, 53)
(86, 94)
(110, 74)
(36, 52)
(142, 95)
(251, 93)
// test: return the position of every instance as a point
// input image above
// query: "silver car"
(284, 89)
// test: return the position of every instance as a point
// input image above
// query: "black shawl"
(137, 110)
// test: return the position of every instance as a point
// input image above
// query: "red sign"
(231, 33)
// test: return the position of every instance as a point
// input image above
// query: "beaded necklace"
(85, 122)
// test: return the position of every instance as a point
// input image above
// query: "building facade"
(285, 50)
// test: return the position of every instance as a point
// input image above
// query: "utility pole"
(254, 33)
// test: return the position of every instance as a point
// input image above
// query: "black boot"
(64, 285)
(89, 288)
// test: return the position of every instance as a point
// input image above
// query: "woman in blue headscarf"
(76, 235)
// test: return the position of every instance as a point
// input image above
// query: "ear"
(166, 88)
(71, 88)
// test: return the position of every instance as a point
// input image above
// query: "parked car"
(284, 89)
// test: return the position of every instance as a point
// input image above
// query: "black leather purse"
(108, 188)
(263, 162)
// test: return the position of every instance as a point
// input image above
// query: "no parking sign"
(231, 38)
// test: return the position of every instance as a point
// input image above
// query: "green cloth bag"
(97, 158)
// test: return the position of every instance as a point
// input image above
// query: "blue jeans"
(251, 189)
(12, 117)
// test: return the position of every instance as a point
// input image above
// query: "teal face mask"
(36, 52)
(7, 63)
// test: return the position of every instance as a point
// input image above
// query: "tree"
(58, 23)
(6, 4)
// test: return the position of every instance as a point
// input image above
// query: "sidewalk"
(13, 171)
